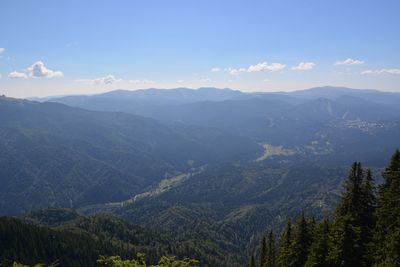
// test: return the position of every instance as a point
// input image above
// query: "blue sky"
(72, 47)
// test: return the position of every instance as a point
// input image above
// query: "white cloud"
(264, 66)
(180, 81)
(349, 61)
(215, 70)
(267, 80)
(382, 71)
(108, 79)
(2, 50)
(236, 71)
(304, 66)
(205, 80)
(39, 70)
(17, 75)
(141, 81)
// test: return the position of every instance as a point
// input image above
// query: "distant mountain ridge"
(379, 97)
(327, 116)
(53, 154)
(185, 95)
(130, 101)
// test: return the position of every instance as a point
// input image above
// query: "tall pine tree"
(301, 243)
(387, 231)
(284, 249)
(271, 254)
(367, 217)
(320, 246)
(351, 232)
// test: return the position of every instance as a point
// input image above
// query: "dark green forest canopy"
(77, 240)
(359, 233)
(364, 229)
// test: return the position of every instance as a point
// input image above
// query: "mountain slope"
(231, 204)
(56, 155)
(108, 234)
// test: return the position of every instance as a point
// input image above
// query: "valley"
(214, 172)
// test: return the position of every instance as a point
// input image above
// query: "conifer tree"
(369, 200)
(344, 239)
(271, 254)
(320, 246)
(387, 231)
(351, 233)
(367, 217)
(351, 198)
(312, 226)
(301, 243)
(283, 259)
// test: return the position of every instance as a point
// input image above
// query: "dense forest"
(363, 231)
(60, 235)
(200, 177)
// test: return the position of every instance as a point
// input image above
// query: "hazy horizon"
(210, 87)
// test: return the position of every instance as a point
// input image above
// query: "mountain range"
(313, 122)
(213, 167)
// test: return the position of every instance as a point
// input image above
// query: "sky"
(50, 48)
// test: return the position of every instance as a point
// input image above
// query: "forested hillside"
(56, 235)
(54, 155)
(364, 230)
(203, 178)
(234, 204)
